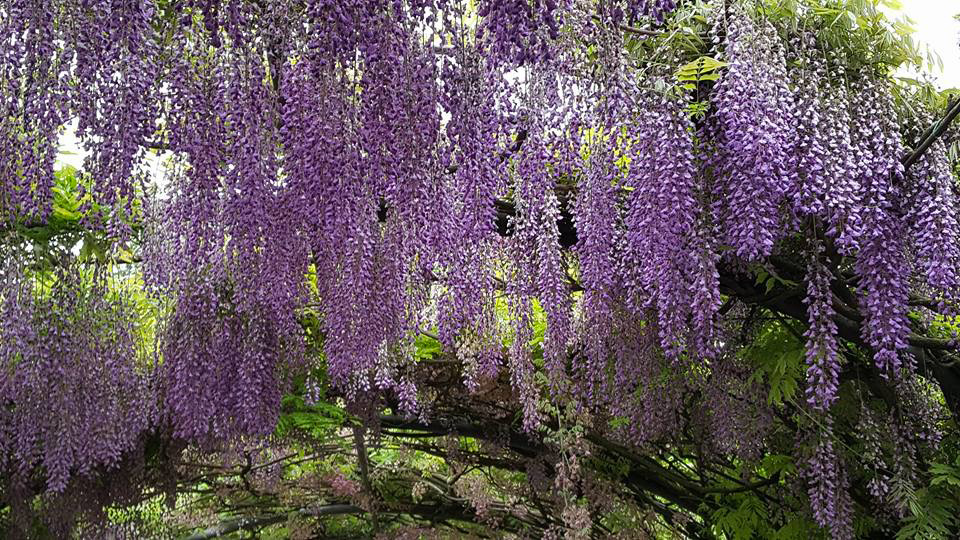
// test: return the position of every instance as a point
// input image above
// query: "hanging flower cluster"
(823, 364)
(538, 268)
(829, 489)
(227, 248)
(883, 280)
(116, 102)
(882, 263)
(396, 169)
(754, 134)
(826, 182)
(847, 167)
(518, 31)
(71, 349)
(933, 224)
(655, 9)
(598, 235)
(35, 97)
(474, 141)
(631, 10)
(660, 254)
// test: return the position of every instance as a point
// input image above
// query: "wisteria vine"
(419, 168)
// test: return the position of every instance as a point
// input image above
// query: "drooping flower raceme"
(829, 489)
(823, 363)
(117, 96)
(72, 349)
(35, 96)
(933, 225)
(384, 168)
(754, 133)
(660, 256)
(235, 287)
(827, 176)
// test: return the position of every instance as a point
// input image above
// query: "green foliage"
(857, 28)
(777, 356)
(427, 347)
(65, 213)
(698, 109)
(320, 420)
(947, 475)
(747, 517)
(148, 516)
(778, 464)
(746, 520)
(931, 517)
(744, 514)
(770, 279)
(64, 229)
(934, 509)
(798, 528)
(942, 326)
(704, 68)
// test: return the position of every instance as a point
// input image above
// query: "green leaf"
(778, 464)
(619, 422)
(778, 357)
(318, 420)
(703, 68)
(427, 347)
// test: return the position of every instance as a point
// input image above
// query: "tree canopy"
(485, 268)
